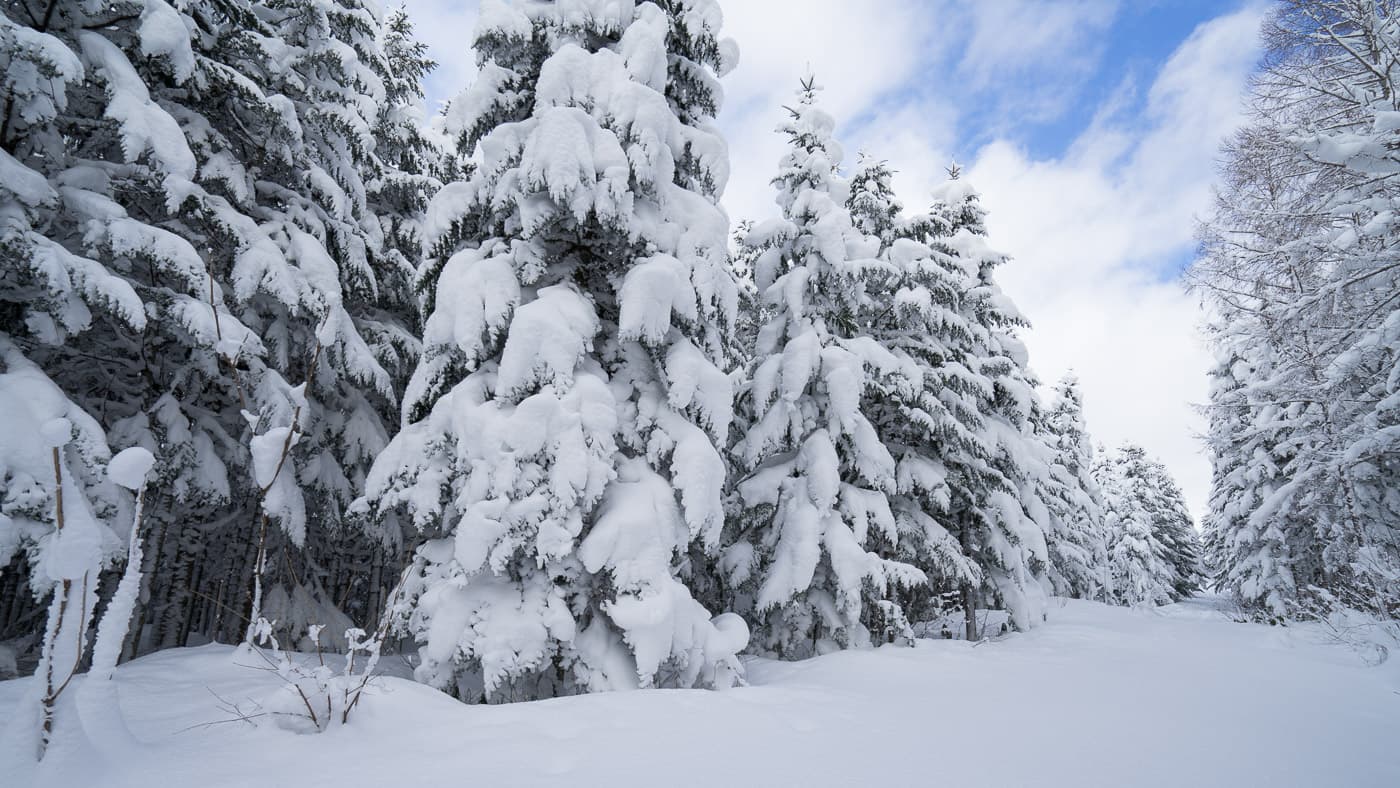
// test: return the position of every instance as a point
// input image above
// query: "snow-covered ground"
(1100, 696)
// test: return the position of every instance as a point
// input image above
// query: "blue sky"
(1138, 43)
(1124, 48)
(1089, 126)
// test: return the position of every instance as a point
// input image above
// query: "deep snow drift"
(1100, 696)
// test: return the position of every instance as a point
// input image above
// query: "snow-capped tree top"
(814, 156)
(872, 202)
(814, 263)
(592, 150)
(1066, 421)
(672, 48)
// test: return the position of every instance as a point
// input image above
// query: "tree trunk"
(192, 601)
(969, 591)
(376, 593)
(969, 600)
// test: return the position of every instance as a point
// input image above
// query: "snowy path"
(1098, 697)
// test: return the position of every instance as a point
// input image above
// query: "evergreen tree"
(200, 275)
(806, 555)
(1263, 558)
(1153, 547)
(412, 169)
(1076, 540)
(1162, 501)
(995, 508)
(559, 449)
(872, 203)
(1138, 571)
(929, 416)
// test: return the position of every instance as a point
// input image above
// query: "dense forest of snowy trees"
(509, 392)
(1300, 270)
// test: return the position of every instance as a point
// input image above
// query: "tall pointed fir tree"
(1266, 553)
(1076, 539)
(875, 211)
(996, 509)
(929, 416)
(1170, 519)
(408, 168)
(332, 78)
(1227, 416)
(805, 557)
(559, 449)
(1138, 572)
(1153, 549)
(1263, 558)
(197, 264)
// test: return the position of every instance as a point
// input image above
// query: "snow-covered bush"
(58, 508)
(312, 696)
(1350, 622)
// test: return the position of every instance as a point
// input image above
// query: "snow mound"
(130, 466)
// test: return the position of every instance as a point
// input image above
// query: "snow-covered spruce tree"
(408, 166)
(1162, 501)
(1153, 547)
(752, 314)
(1262, 557)
(874, 208)
(707, 580)
(1228, 418)
(207, 193)
(996, 508)
(930, 415)
(412, 168)
(1300, 254)
(804, 559)
(1076, 539)
(559, 444)
(72, 112)
(1266, 554)
(1139, 574)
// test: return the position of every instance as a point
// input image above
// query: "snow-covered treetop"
(813, 247)
(676, 51)
(1066, 422)
(872, 202)
(589, 168)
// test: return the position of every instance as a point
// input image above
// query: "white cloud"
(1017, 36)
(1092, 231)
(1033, 55)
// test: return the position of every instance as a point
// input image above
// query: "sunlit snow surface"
(1100, 696)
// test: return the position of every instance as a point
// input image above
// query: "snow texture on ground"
(1098, 697)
